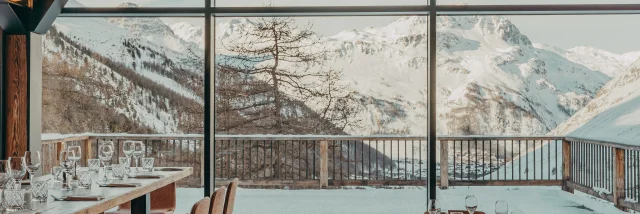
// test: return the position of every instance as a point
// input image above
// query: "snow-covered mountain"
(491, 79)
(141, 58)
(188, 32)
(612, 115)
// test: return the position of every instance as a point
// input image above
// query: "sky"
(615, 33)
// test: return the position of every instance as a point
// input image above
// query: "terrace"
(537, 173)
(328, 106)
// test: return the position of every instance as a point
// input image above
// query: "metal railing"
(499, 161)
(606, 170)
(298, 160)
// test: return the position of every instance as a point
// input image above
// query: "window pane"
(111, 78)
(285, 3)
(516, 2)
(521, 65)
(295, 78)
(135, 3)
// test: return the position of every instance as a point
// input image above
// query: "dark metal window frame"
(209, 12)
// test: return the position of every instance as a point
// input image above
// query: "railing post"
(324, 164)
(566, 165)
(87, 151)
(201, 162)
(444, 164)
(59, 146)
(618, 178)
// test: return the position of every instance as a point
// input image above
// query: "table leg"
(141, 205)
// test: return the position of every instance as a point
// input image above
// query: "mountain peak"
(487, 25)
(128, 5)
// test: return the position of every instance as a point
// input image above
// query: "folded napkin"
(121, 185)
(147, 176)
(84, 198)
(168, 169)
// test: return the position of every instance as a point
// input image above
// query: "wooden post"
(444, 164)
(15, 93)
(59, 147)
(324, 164)
(566, 165)
(86, 154)
(618, 179)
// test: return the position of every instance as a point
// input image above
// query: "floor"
(400, 201)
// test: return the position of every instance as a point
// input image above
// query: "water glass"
(56, 171)
(147, 164)
(126, 161)
(94, 164)
(85, 178)
(14, 199)
(40, 190)
(118, 171)
(501, 207)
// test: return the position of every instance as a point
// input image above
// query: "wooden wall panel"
(16, 60)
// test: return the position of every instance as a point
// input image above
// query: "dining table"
(111, 197)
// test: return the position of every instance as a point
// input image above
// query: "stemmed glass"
(77, 155)
(33, 161)
(502, 207)
(128, 147)
(434, 206)
(138, 151)
(105, 153)
(471, 202)
(17, 169)
(67, 163)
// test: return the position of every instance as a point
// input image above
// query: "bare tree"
(290, 60)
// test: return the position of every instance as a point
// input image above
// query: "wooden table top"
(112, 196)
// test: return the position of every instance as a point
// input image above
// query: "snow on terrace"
(410, 200)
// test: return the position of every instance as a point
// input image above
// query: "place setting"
(471, 205)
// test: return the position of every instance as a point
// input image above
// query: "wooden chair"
(217, 201)
(163, 201)
(231, 197)
(201, 207)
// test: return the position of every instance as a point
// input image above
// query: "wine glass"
(434, 206)
(105, 153)
(517, 212)
(502, 207)
(128, 147)
(17, 169)
(33, 162)
(67, 163)
(77, 155)
(471, 202)
(138, 152)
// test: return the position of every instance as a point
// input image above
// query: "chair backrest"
(201, 207)
(231, 197)
(217, 201)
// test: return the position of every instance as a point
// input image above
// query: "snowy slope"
(611, 64)
(491, 79)
(189, 32)
(612, 115)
